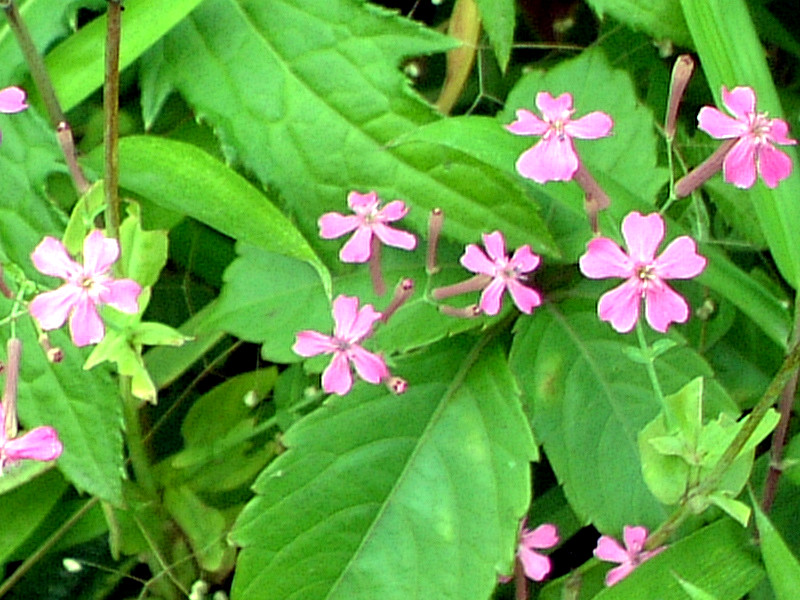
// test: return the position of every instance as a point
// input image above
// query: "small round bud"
(250, 399)
(71, 565)
(397, 385)
(55, 354)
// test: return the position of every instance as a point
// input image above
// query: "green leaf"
(738, 511)
(143, 253)
(76, 67)
(205, 527)
(406, 488)
(317, 101)
(694, 592)
(499, 20)
(183, 178)
(589, 402)
(732, 55)
(783, 568)
(661, 20)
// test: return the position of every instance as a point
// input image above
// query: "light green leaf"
(694, 592)
(783, 568)
(317, 101)
(589, 404)
(76, 66)
(405, 487)
(183, 178)
(662, 20)
(739, 511)
(499, 19)
(143, 253)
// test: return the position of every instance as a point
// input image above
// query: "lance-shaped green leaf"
(731, 55)
(783, 568)
(76, 67)
(589, 403)
(183, 178)
(661, 20)
(499, 18)
(307, 94)
(380, 496)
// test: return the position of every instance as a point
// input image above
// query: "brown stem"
(520, 581)
(375, 272)
(403, 291)
(778, 443)
(473, 284)
(704, 171)
(14, 350)
(111, 110)
(596, 197)
(435, 223)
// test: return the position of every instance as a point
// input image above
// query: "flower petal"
(345, 313)
(333, 225)
(554, 109)
(311, 343)
(359, 202)
(395, 237)
(99, 253)
(51, 309)
(357, 249)
(552, 159)
(41, 443)
(680, 260)
(595, 125)
(495, 245)
(476, 261)
(122, 294)
(536, 566)
(611, 550)
(12, 100)
(619, 573)
(620, 306)
(492, 295)
(394, 210)
(741, 101)
(774, 165)
(719, 125)
(524, 297)
(51, 258)
(779, 132)
(544, 536)
(524, 260)
(643, 234)
(362, 327)
(527, 123)
(664, 306)
(739, 165)
(85, 325)
(603, 259)
(337, 378)
(369, 366)
(634, 537)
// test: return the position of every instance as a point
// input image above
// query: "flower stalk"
(111, 112)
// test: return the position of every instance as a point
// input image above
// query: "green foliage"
(409, 515)
(499, 19)
(662, 20)
(783, 569)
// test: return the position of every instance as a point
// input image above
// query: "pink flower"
(86, 287)
(506, 274)
(536, 566)
(352, 326)
(12, 100)
(629, 557)
(554, 157)
(754, 151)
(646, 274)
(41, 443)
(369, 220)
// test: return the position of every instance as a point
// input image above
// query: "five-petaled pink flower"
(86, 287)
(352, 326)
(754, 152)
(629, 557)
(40, 443)
(646, 274)
(367, 221)
(507, 274)
(554, 157)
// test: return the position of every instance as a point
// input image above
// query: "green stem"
(48, 544)
(45, 86)
(710, 483)
(651, 373)
(111, 110)
(136, 447)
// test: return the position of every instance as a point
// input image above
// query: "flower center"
(760, 127)
(646, 274)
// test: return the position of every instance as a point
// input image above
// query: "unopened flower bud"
(403, 291)
(468, 312)
(681, 74)
(71, 565)
(250, 399)
(397, 385)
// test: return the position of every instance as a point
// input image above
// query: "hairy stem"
(111, 111)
